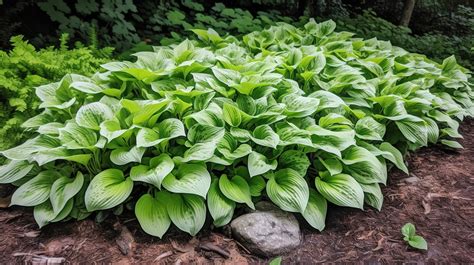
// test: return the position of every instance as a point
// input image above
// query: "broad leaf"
(189, 178)
(220, 207)
(287, 189)
(152, 214)
(342, 190)
(107, 189)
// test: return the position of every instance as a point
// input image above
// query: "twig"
(163, 255)
(242, 246)
(218, 250)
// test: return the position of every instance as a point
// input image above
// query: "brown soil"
(438, 197)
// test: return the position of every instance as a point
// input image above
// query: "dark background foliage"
(437, 28)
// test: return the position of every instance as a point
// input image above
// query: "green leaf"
(256, 185)
(373, 195)
(236, 189)
(452, 144)
(342, 190)
(369, 129)
(111, 129)
(14, 170)
(396, 157)
(107, 189)
(220, 207)
(124, 155)
(364, 166)
(232, 115)
(44, 213)
(74, 136)
(287, 189)
(167, 129)
(298, 106)
(93, 114)
(154, 174)
(187, 211)
(189, 178)
(230, 148)
(275, 261)
(265, 136)
(333, 165)
(152, 214)
(295, 160)
(36, 190)
(418, 242)
(408, 230)
(315, 212)
(415, 132)
(259, 164)
(63, 189)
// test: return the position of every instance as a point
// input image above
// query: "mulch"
(437, 196)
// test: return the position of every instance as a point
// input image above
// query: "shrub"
(24, 68)
(296, 116)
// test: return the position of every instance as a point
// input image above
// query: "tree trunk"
(407, 12)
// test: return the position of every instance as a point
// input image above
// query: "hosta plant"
(297, 116)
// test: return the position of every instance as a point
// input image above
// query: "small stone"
(412, 179)
(268, 231)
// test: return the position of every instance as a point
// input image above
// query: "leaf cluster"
(298, 116)
(24, 67)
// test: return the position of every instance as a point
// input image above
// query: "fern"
(24, 67)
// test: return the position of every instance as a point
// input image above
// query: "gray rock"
(268, 231)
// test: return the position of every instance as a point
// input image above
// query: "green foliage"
(23, 68)
(434, 44)
(112, 18)
(299, 116)
(414, 240)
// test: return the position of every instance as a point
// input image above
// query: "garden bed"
(438, 197)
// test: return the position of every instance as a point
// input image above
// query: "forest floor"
(437, 196)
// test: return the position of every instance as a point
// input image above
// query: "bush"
(296, 116)
(24, 68)
(433, 44)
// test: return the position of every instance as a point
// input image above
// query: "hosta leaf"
(230, 148)
(44, 213)
(226, 76)
(124, 155)
(415, 132)
(189, 178)
(111, 129)
(14, 170)
(167, 129)
(373, 195)
(36, 190)
(369, 129)
(199, 152)
(452, 144)
(63, 189)
(299, 106)
(74, 136)
(315, 212)
(259, 164)
(154, 174)
(152, 214)
(93, 114)
(200, 133)
(187, 211)
(256, 185)
(265, 136)
(107, 189)
(364, 166)
(87, 87)
(333, 165)
(236, 189)
(295, 160)
(232, 115)
(287, 189)
(396, 157)
(220, 207)
(31, 146)
(342, 190)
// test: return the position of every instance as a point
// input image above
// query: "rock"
(412, 179)
(268, 231)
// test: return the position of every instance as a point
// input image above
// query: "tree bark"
(407, 12)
